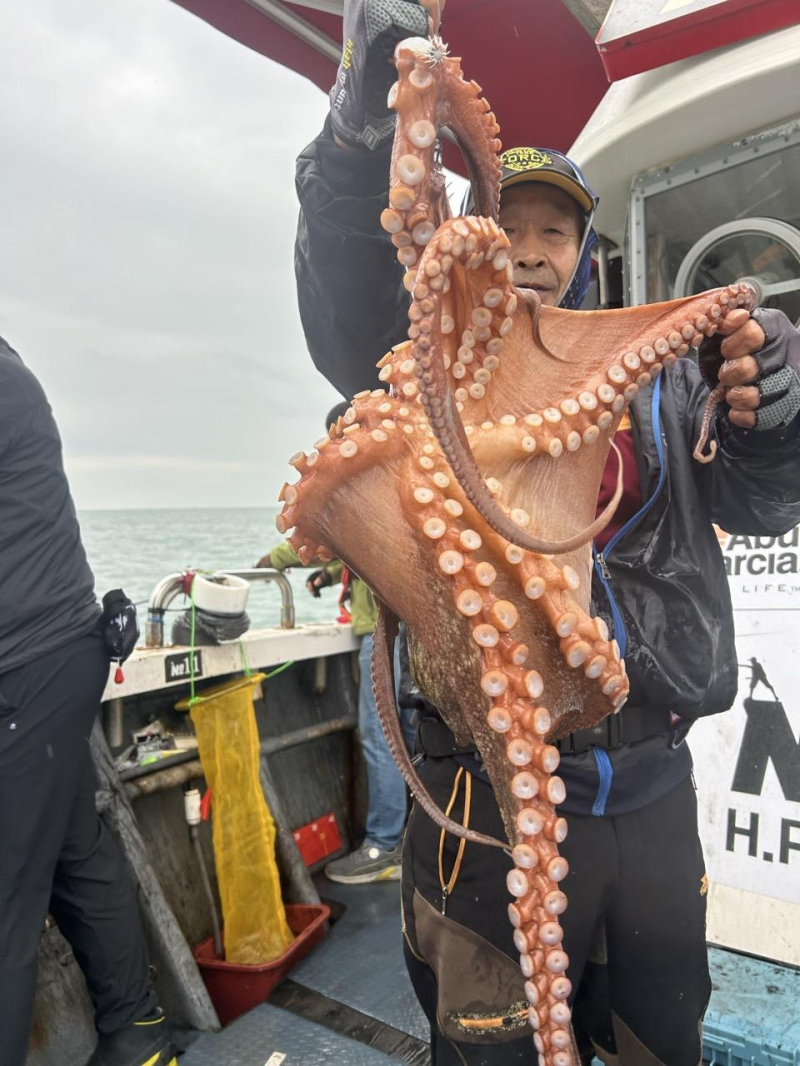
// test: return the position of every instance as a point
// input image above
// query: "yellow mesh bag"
(244, 832)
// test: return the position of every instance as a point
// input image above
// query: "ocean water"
(134, 550)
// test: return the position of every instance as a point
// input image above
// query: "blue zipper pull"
(601, 562)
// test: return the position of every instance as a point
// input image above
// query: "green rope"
(245, 664)
(279, 669)
(192, 697)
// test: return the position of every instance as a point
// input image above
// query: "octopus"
(464, 493)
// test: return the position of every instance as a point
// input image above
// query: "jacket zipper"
(601, 558)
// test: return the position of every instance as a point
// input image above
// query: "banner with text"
(747, 761)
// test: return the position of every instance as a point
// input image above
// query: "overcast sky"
(147, 217)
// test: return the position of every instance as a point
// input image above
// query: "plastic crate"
(236, 989)
(724, 1048)
(754, 1015)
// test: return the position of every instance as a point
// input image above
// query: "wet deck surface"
(360, 963)
(269, 1036)
(349, 1001)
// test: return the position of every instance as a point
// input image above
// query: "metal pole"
(602, 273)
(152, 779)
(114, 725)
(300, 887)
(281, 580)
(174, 584)
(299, 27)
(206, 880)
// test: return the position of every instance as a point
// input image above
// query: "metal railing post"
(172, 585)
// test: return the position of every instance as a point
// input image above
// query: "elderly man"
(635, 926)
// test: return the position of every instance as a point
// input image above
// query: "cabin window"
(729, 214)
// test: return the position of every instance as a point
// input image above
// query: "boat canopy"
(640, 35)
(539, 70)
(658, 118)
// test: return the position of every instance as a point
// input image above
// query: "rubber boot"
(145, 1043)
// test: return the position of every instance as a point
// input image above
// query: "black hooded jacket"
(46, 587)
(660, 583)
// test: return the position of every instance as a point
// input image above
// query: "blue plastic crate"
(723, 1048)
(754, 1015)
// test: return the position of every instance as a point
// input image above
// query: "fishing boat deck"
(350, 1000)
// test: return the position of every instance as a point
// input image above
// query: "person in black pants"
(56, 855)
(634, 928)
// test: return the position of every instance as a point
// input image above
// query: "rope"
(272, 673)
(193, 611)
(245, 664)
(279, 669)
(447, 887)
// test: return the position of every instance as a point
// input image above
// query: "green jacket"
(363, 610)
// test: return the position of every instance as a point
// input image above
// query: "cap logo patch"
(521, 159)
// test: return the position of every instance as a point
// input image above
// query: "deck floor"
(361, 962)
(269, 1036)
(350, 1000)
(355, 987)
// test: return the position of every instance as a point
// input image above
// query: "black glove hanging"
(120, 628)
(360, 115)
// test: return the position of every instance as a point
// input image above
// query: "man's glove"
(779, 360)
(757, 359)
(320, 579)
(372, 29)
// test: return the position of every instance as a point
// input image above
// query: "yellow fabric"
(256, 930)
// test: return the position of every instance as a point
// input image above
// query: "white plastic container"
(221, 594)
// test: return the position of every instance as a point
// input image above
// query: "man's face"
(545, 227)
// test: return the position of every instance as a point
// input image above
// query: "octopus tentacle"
(515, 743)
(710, 362)
(519, 662)
(709, 412)
(431, 94)
(533, 302)
(582, 419)
(434, 9)
(384, 690)
(476, 247)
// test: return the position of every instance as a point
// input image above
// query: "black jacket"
(46, 587)
(661, 583)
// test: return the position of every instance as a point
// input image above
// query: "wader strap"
(448, 886)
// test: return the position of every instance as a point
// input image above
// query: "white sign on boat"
(747, 761)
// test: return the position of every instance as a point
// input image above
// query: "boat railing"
(174, 585)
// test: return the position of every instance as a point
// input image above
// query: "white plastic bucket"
(221, 594)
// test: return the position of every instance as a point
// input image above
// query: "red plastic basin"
(236, 989)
